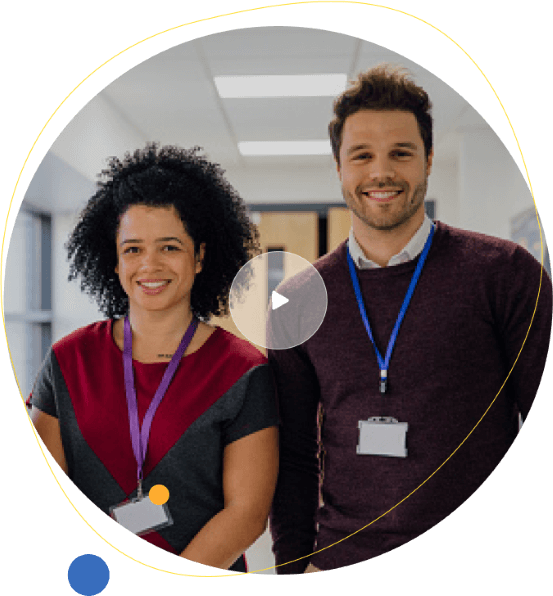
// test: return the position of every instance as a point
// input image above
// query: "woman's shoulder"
(97, 333)
(234, 350)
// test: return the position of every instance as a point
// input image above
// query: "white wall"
(97, 132)
(491, 188)
(296, 183)
(443, 188)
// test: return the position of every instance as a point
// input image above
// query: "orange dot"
(159, 494)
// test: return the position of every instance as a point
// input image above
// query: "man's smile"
(382, 195)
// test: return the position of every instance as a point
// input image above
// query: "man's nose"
(381, 169)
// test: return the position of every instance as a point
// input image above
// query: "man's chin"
(385, 225)
(389, 223)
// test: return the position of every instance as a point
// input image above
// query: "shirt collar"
(409, 252)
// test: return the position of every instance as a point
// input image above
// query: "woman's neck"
(157, 327)
(156, 335)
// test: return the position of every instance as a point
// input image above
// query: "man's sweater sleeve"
(526, 325)
(296, 501)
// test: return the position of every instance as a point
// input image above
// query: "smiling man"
(423, 327)
(383, 166)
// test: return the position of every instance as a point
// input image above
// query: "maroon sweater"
(463, 330)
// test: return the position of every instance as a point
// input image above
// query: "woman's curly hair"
(211, 210)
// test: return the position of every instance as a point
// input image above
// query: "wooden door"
(339, 224)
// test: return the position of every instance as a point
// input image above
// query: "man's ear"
(429, 162)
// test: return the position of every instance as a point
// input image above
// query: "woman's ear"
(200, 257)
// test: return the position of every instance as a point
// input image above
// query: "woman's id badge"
(141, 516)
(382, 435)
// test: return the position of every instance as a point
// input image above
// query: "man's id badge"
(141, 516)
(382, 435)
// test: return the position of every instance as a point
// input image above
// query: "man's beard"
(387, 219)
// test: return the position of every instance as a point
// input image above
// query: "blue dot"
(88, 575)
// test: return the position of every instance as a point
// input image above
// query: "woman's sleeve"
(43, 396)
(259, 406)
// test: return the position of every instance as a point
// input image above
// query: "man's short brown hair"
(384, 88)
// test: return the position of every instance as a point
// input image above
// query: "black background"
(494, 535)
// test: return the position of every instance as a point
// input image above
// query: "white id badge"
(382, 436)
(141, 516)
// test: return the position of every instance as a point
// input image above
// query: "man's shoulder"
(478, 247)
(332, 260)
(470, 238)
(308, 280)
(481, 256)
(461, 242)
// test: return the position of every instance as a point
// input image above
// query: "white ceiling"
(171, 98)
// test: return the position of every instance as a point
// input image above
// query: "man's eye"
(170, 247)
(130, 250)
(402, 154)
(361, 156)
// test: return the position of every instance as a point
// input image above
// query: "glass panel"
(17, 333)
(15, 281)
(275, 274)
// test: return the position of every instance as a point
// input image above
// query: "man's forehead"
(395, 125)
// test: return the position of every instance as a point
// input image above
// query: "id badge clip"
(141, 516)
(382, 435)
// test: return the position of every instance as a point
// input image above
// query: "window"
(28, 294)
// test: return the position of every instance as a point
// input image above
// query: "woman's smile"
(153, 287)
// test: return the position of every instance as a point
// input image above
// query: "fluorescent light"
(281, 85)
(285, 147)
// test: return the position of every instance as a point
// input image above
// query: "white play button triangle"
(278, 300)
(269, 281)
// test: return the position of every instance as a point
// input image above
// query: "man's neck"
(380, 246)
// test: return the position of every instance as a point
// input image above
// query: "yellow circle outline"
(209, 19)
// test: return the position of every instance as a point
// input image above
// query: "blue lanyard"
(384, 363)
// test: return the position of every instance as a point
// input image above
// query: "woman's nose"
(150, 258)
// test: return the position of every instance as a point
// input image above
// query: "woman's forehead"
(150, 221)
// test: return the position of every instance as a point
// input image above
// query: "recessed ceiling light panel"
(248, 148)
(314, 85)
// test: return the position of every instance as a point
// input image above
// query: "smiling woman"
(156, 264)
(158, 246)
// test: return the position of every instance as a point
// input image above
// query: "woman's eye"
(130, 250)
(170, 247)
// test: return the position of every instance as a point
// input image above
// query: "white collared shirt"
(409, 252)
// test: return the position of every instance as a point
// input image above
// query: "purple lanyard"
(140, 436)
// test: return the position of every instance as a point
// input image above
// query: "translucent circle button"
(278, 300)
